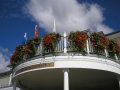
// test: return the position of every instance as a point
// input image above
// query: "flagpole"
(54, 27)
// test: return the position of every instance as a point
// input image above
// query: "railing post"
(88, 50)
(39, 49)
(65, 43)
(116, 57)
(10, 79)
(106, 53)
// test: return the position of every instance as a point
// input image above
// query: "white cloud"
(69, 14)
(4, 59)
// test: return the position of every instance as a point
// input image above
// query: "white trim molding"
(87, 62)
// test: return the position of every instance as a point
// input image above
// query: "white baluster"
(106, 53)
(57, 47)
(116, 57)
(60, 45)
(10, 79)
(63, 44)
(88, 50)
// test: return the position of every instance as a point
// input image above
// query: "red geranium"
(117, 47)
(99, 40)
(78, 39)
(26, 49)
(49, 40)
(17, 56)
(113, 48)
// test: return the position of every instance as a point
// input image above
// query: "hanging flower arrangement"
(32, 45)
(15, 58)
(50, 40)
(17, 55)
(99, 40)
(113, 48)
(117, 48)
(21, 51)
(78, 40)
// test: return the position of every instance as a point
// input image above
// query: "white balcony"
(87, 71)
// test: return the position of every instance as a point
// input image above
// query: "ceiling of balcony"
(80, 79)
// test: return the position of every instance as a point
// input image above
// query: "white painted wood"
(89, 62)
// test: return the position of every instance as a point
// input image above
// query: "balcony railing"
(64, 46)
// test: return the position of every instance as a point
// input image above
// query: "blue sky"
(20, 16)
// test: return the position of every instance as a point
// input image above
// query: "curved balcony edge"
(85, 62)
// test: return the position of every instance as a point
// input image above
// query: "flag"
(25, 36)
(36, 31)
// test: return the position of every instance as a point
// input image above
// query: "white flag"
(25, 36)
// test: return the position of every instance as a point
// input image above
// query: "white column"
(66, 79)
(14, 85)
(65, 43)
(88, 50)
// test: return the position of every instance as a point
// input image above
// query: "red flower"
(99, 40)
(79, 38)
(117, 47)
(49, 39)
